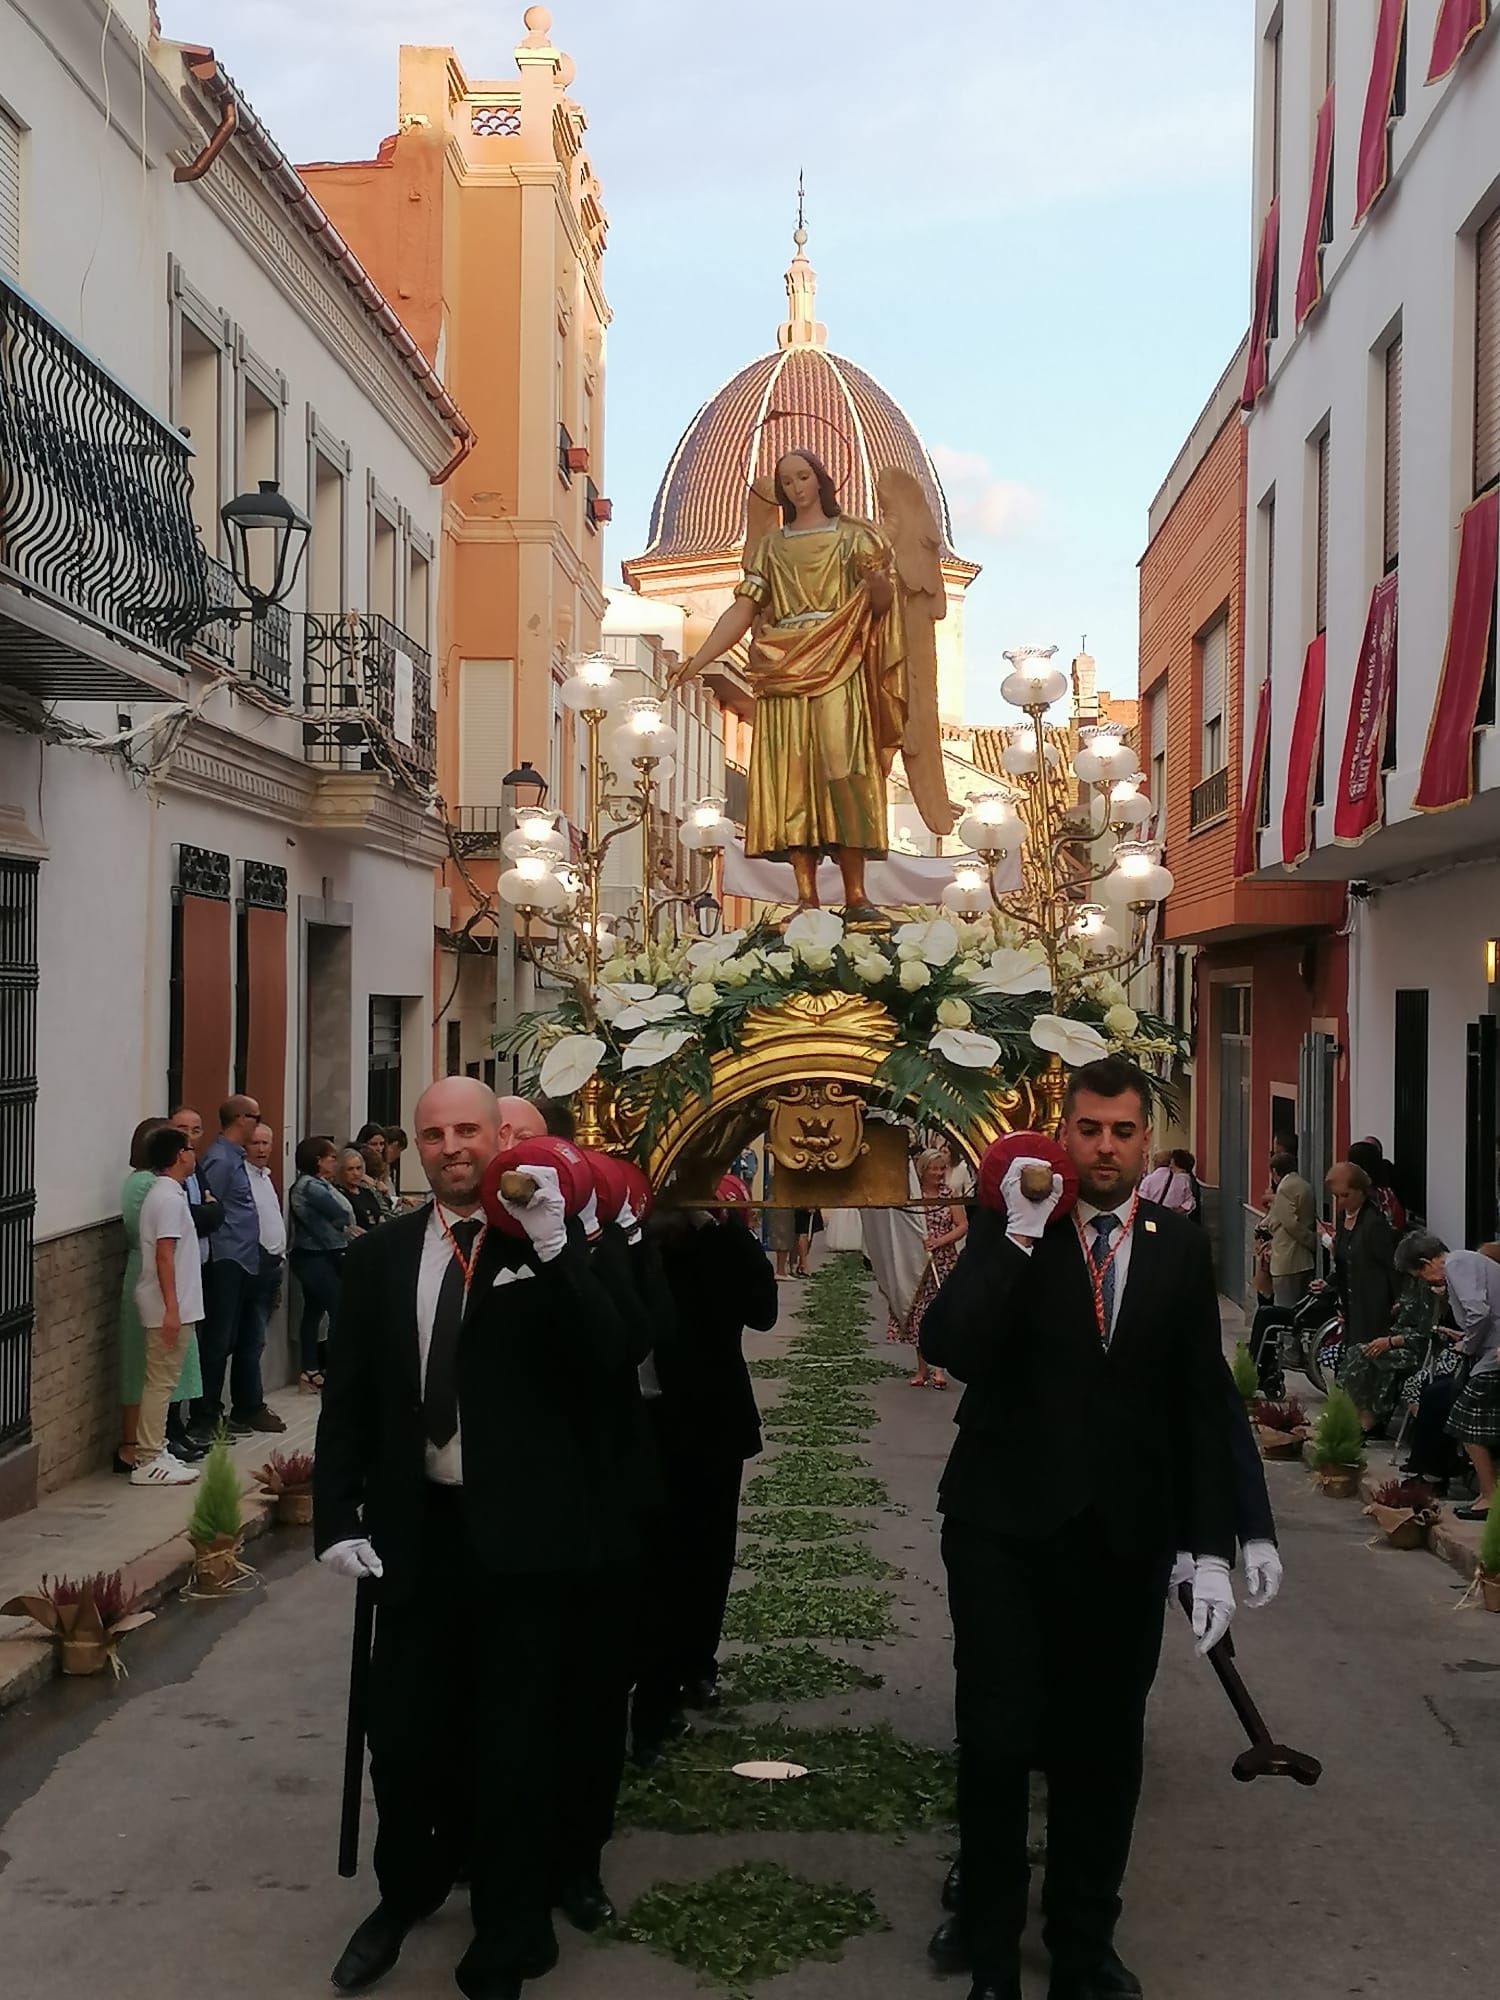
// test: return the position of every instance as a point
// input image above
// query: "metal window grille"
(1392, 531)
(1487, 357)
(10, 196)
(1321, 592)
(18, 1090)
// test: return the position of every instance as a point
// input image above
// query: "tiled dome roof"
(801, 397)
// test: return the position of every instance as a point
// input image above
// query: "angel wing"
(907, 518)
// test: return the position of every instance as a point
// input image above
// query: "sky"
(1030, 222)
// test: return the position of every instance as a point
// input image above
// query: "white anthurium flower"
(656, 1045)
(570, 1063)
(915, 975)
(702, 997)
(1077, 1042)
(1121, 1021)
(613, 998)
(937, 941)
(816, 957)
(969, 1051)
(714, 950)
(955, 1014)
(660, 1007)
(821, 929)
(1011, 971)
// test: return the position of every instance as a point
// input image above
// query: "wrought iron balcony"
(370, 688)
(101, 572)
(479, 830)
(736, 794)
(1210, 800)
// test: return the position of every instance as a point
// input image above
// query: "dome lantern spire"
(800, 329)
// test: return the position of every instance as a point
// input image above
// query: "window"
(10, 197)
(1157, 743)
(1268, 514)
(1276, 98)
(1213, 666)
(1330, 42)
(18, 1089)
(199, 381)
(453, 1038)
(419, 598)
(259, 458)
(1392, 508)
(382, 566)
(1487, 357)
(1398, 88)
(1409, 1130)
(383, 1094)
(484, 731)
(325, 580)
(1320, 560)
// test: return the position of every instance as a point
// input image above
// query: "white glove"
(1262, 1573)
(1024, 1217)
(1213, 1602)
(1182, 1572)
(630, 1222)
(355, 1559)
(588, 1215)
(544, 1217)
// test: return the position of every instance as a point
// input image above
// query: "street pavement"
(174, 1834)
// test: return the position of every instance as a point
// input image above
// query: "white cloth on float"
(894, 883)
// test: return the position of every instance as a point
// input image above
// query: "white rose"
(701, 998)
(816, 957)
(954, 1014)
(1109, 990)
(915, 975)
(616, 970)
(735, 973)
(822, 929)
(782, 963)
(1121, 1021)
(870, 968)
(936, 942)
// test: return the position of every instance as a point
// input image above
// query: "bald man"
(463, 1467)
(519, 1119)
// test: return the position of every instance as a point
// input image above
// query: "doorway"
(1233, 1005)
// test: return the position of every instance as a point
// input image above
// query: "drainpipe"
(229, 118)
(465, 445)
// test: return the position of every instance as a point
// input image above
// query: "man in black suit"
(463, 1465)
(1094, 1439)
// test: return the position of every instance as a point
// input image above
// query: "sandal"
(916, 1381)
(310, 1382)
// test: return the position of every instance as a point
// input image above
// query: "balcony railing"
(479, 830)
(271, 651)
(94, 494)
(1210, 799)
(218, 640)
(370, 689)
(736, 793)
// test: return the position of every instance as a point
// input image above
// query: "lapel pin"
(1150, 1227)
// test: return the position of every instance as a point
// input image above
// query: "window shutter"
(1393, 451)
(10, 197)
(1487, 359)
(1159, 722)
(1322, 558)
(484, 726)
(1215, 651)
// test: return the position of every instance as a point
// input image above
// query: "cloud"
(998, 509)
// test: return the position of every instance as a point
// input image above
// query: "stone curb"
(28, 1664)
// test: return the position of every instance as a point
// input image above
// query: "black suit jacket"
(721, 1281)
(1364, 1275)
(1053, 1423)
(539, 1366)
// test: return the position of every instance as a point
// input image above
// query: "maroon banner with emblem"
(1448, 761)
(1359, 806)
(1246, 846)
(1374, 132)
(1260, 321)
(1310, 270)
(1307, 732)
(1458, 22)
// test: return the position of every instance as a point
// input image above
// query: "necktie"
(440, 1394)
(1104, 1226)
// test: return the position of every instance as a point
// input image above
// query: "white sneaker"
(164, 1471)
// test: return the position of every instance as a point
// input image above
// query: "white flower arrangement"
(969, 1051)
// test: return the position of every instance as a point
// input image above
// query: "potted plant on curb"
(1337, 1446)
(1246, 1374)
(85, 1617)
(1404, 1510)
(286, 1479)
(1487, 1576)
(1281, 1429)
(216, 1528)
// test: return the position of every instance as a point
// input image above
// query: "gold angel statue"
(843, 665)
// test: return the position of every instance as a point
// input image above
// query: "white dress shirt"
(445, 1463)
(268, 1210)
(1119, 1242)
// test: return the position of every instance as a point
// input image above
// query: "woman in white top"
(169, 1299)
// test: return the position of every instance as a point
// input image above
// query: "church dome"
(802, 396)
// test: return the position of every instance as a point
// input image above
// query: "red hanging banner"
(1374, 133)
(1359, 805)
(1458, 22)
(1448, 761)
(1246, 846)
(1310, 270)
(1260, 322)
(1307, 731)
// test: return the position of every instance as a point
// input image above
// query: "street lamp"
(708, 913)
(267, 537)
(523, 780)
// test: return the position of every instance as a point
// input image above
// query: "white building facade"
(1373, 464)
(217, 841)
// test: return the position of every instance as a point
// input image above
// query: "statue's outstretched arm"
(731, 628)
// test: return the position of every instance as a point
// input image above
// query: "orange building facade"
(482, 220)
(1262, 965)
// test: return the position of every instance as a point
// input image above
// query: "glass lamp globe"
(591, 684)
(1128, 804)
(1101, 753)
(1033, 681)
(531, 885)
(968, 894)
(1094, 931)
(536, 831)
(644, 736)
(990, 826)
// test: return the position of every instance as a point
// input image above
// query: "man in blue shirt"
(231, 1336)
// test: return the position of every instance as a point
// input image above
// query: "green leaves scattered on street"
(808, 1611)
(802, 1524)
(859, 1781)
(750, 1922)
(798, 1479)
(823, 1562)
(784, 1674)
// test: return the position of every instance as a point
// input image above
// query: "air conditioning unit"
(577, 456)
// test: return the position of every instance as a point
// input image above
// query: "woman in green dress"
(132, 1333)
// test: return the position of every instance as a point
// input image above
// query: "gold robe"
(829, 678)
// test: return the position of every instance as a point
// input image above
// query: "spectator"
(1432, 1391)
(945, 1228)
(359, 1191)
(377, 1176)
(1369, 1154)
(781, 1238)
(229, 1333)
(138, 1183)
(371, 1134)
(557, 1117)
(322, 1228)
(1364, 1256)
(1473, 1281)
(1375, 1375)
(169, 1300)
(1154, 1185)
(1291, 1225)
(1182, 1193)
(266, 1292)
(206, 1212)
(395, 1145)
